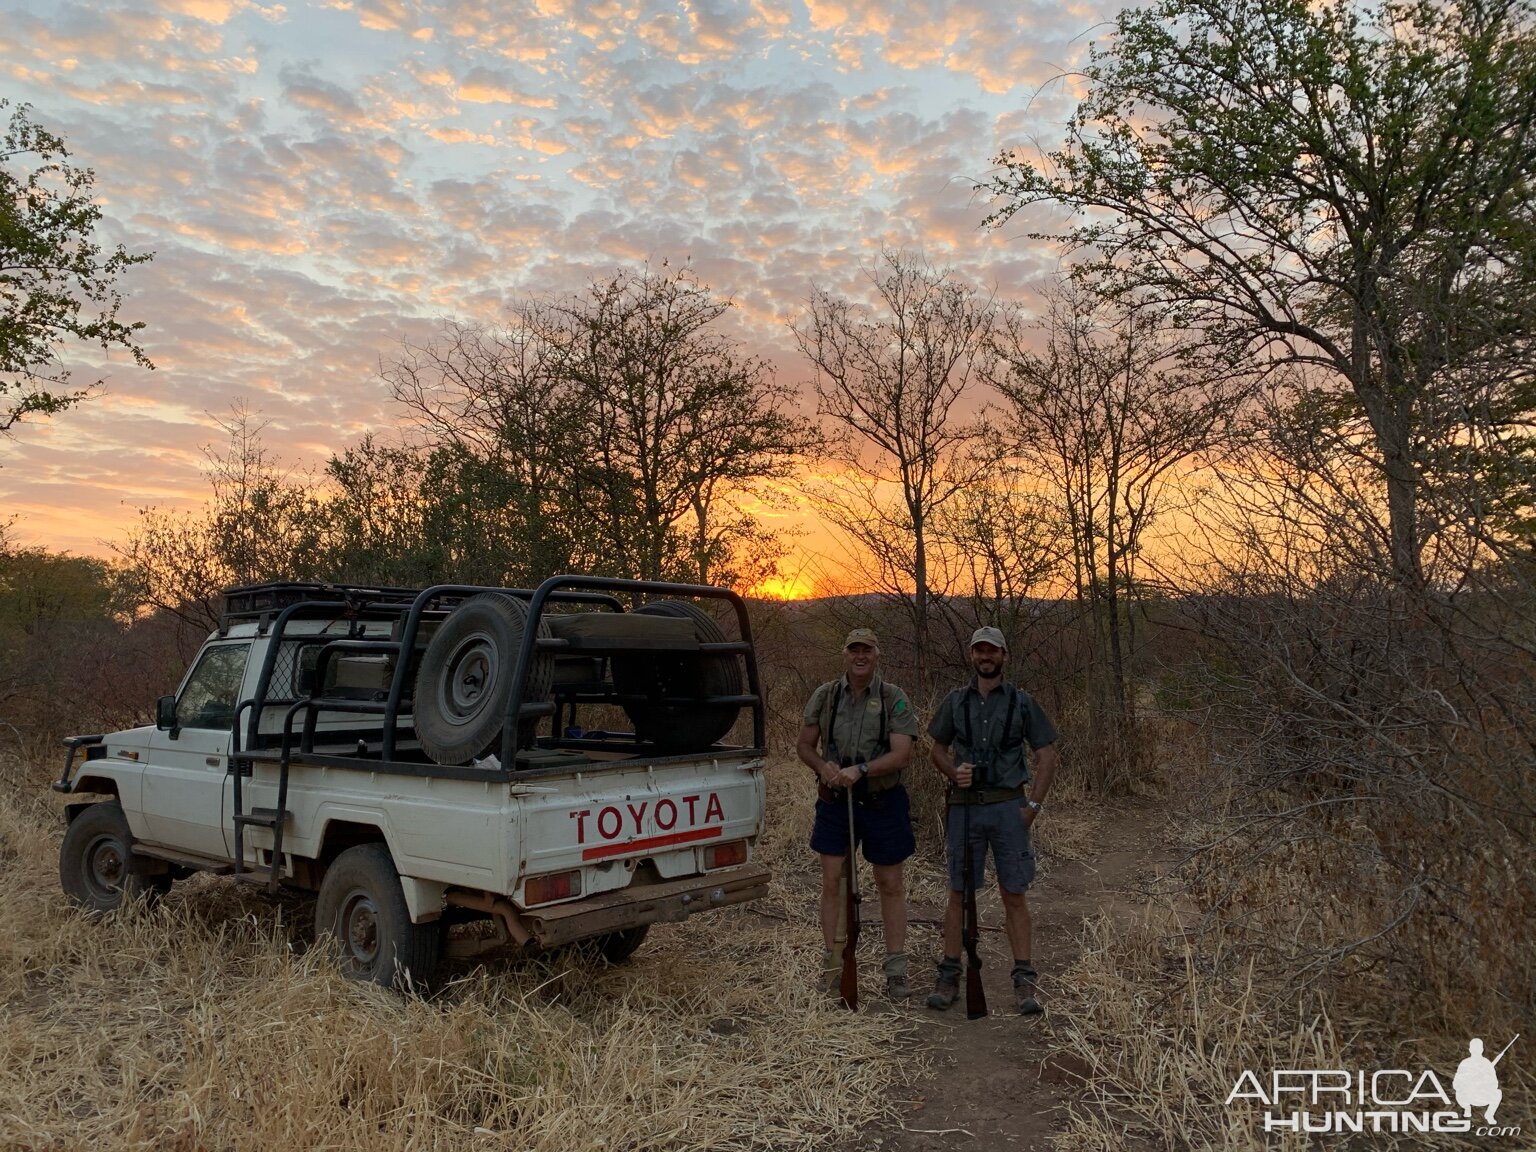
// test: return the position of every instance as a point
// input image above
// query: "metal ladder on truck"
(275, 820)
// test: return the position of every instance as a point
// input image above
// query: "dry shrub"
(1162, 1040)
(207, 1022)
(1287, 939)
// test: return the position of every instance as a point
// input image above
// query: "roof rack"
(251, 601)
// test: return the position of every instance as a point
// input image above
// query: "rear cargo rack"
(276, 606)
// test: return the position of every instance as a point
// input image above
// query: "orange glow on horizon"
(783, 588)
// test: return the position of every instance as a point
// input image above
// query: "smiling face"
(988, 660)
(860, 661)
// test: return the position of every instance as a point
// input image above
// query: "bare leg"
(1016, 917)
(953, 911)
(893, 905)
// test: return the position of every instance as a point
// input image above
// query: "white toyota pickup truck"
(417, 757)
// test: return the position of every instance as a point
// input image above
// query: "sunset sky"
(318, 181)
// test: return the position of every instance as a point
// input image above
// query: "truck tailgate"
(661, 813)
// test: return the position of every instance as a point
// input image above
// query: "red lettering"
(581, 824)
(665, 823)
(602, 823)
(712, 810)
(691, 801)
(638, 814)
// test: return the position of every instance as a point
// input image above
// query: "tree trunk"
(1390, 414)
(920, 612)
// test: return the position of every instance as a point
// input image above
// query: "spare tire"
(679, 727)
(464, 684)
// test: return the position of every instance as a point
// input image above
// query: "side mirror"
(165, 713)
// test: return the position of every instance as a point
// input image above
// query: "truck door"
(186, 786)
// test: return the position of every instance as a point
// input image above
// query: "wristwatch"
(864, 768)
(1034, 805)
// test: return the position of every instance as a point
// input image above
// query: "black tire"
(98, 868)
(362, 910)
(464, 683)
(679, 727)
(615, 947)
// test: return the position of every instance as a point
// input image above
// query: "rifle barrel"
(975, 994)
(848, 989)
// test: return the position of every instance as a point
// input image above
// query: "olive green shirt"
(994, 732)
(855, 730)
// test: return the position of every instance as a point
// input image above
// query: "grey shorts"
(1000, 826)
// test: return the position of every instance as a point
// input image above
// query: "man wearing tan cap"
(983, 734)
(858, 734)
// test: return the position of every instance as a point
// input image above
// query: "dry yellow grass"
(208, 1023)
(1166, 1012)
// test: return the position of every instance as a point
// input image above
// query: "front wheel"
(98, 868)
(362, 908)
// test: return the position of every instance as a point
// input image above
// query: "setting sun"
(783, 588)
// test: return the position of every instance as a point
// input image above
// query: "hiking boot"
(946, 988)
(1026, 992)
(897, 986)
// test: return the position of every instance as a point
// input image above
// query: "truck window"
(293, 672)
(213, 689)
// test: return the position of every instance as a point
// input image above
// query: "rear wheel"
(362, 909)
(617, 947)
(98, 868)
(685, 727)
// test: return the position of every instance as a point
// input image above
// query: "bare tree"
(1009, 541)
(894, 376)
(1104, 415)
(264, 522)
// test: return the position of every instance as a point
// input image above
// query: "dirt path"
(1000, 1083)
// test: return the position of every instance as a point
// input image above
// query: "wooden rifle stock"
(975, 994)
(849, 988)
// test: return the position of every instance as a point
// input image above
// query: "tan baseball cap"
(989, 635)
(862, 636)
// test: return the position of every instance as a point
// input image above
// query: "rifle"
(849, 988)
(1506, 1048)
(970, 934)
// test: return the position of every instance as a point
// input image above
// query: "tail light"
(556, 886)
(725, 855)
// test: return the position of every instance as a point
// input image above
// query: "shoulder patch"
(900, 706)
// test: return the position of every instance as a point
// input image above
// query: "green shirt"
(991, 734)
(855, 729)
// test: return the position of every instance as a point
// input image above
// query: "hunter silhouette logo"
(1337, 1102)
(1477, 1080)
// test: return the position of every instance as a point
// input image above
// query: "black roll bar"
(554, 584)
(413, 624)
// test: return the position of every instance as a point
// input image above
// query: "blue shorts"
(1000, 825)
(882, 824)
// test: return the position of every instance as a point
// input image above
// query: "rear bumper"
(671, 900)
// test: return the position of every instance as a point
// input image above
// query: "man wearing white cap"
(983, 734)
(858, 733)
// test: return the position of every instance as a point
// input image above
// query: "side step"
(210, 864)
(274, 821)
(262, 876)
